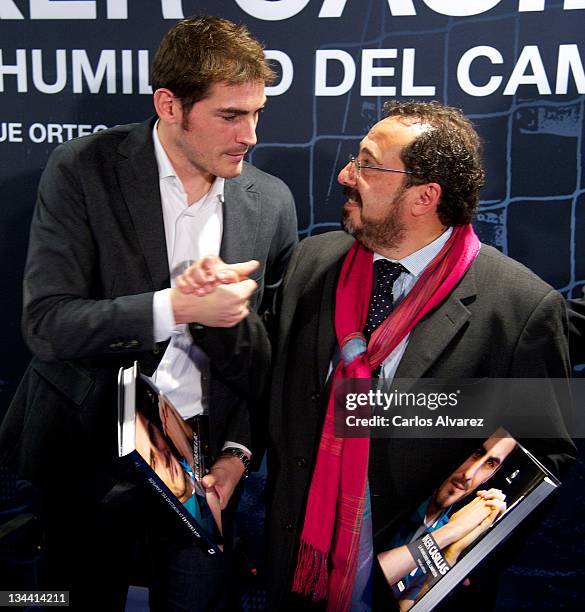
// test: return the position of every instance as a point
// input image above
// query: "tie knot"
(387, 272)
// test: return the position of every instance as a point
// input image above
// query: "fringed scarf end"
(311, 576)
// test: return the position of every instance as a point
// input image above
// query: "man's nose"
(471, 471)
(247, 133)
(346, 175)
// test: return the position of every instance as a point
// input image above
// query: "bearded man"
(407, 291)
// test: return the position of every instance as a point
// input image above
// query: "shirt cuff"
(229, 444)
(162, 313)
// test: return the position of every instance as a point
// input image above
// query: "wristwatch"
(241, 455)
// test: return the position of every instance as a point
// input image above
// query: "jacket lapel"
(241, 217)
(325, 336)
(434, 333)
(138, 180)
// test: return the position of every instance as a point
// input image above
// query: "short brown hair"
(200, 51)
(448, 154)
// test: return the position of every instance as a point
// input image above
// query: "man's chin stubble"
(346, 223)
(371, 235)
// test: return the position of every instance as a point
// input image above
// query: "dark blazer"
(577, 329)
(500, 321)
(97, 254)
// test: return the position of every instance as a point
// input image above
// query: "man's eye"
(228, 117)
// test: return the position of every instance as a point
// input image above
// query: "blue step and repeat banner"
(516, 68)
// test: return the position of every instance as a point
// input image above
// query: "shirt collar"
(166, 170)
(416, 262)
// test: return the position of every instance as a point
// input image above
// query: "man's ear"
(428, 200)
(168, 106)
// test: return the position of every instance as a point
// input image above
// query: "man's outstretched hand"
(202, 277)
(213, 293)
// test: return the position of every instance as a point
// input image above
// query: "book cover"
(168, 454)
(476, 507)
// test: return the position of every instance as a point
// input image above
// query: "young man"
(119, 215)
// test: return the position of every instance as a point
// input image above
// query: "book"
(168, 454)
(475, 509)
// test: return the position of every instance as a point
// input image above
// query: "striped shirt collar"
(416, 262)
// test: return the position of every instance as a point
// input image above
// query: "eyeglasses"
(357, 166)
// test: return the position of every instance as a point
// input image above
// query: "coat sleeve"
(542, 353)
(577, 329)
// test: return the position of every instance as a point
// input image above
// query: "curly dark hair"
(200, 51)
(448, 154)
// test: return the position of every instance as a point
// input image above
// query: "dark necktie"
(386, 272)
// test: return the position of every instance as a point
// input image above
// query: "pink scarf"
(329, 541)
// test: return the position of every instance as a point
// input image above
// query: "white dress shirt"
(415, 264)
(192, 230)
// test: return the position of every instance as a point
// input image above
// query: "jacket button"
(315, 396)
(301, 462)
(289, 526)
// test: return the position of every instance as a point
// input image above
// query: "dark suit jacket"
(97, 254)
(501, 321)
(577, 329)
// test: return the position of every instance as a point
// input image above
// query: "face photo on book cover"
(176, 429)
(154, 449)
(479, 467)
(461, 498)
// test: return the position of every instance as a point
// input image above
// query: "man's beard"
(374, 234)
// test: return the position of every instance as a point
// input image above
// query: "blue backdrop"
(516, 67)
